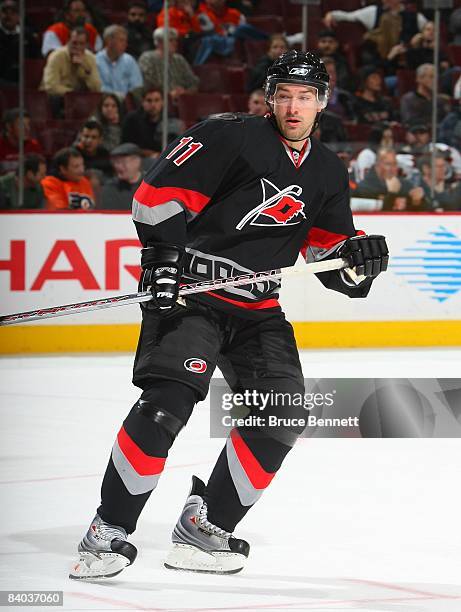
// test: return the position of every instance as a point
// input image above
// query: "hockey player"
(235, 194)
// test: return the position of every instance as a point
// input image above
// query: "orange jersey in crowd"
(228, 16)
(62, 31)
(179, 20)
(61, 194)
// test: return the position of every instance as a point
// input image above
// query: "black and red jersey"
(240, 200)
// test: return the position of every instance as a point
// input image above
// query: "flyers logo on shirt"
(279, 207)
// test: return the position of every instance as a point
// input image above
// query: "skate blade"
(189, 558)
(104, 565)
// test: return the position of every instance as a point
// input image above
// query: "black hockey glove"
(367, 255)
(161, 272)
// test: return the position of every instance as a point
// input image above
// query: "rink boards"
(49, 259)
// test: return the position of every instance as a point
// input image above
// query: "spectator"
(416, 106)
(9, 142)
(96, 179)
(181, 78)
(9, 43)
(446, 196)
(34, 172)
(257, 103)
(278, 45)
(143, 126)
(70, 68)
(118, 70)
(331, 128)
(109, 116)
(421, 49)
(387, 23)
(328, 46)
(340, 101)
(75, 13)
(457, 89)
(455, 26)
(450, 128)
(117, 194)
(371, 105)
(382, 182)
(220, 26)
(139, 35)
(346, 154)
(67, 186)
(381, 137)
(419, 143)
(181, 17)
(95, 155)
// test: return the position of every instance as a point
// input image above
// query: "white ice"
(348, 524)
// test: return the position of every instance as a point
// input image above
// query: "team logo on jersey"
(198, 366)
(280, 207)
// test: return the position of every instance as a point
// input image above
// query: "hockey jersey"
(240, 200)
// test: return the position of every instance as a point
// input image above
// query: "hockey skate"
(200, 546)
(104, 552)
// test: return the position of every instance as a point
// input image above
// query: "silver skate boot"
(200, 546)
(104, 552)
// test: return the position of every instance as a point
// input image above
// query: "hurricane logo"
(279, 207)
(198, 366)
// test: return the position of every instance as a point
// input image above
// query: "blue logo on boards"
(434, 265)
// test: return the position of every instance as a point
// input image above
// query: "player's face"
(295, 108)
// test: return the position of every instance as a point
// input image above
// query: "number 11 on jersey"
(192, 147)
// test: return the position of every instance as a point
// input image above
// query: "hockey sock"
(244, 469)
(140, 451)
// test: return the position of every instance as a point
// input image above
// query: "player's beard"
(296, 133)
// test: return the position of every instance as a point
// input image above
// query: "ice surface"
(348, 524)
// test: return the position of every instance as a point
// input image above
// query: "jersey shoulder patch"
(227, 116)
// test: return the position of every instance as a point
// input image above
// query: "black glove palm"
(161, 272)
(369, 255)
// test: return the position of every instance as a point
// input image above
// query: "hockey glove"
(161, 272)
(368, 256)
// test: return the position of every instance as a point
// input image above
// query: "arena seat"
(33, 72)
(195, 107)
(80, 104)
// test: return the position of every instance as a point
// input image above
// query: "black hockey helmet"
(299, 68)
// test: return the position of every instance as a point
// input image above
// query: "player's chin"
(296, 132)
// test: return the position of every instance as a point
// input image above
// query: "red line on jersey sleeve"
(257, 475)
(145, 465)
(324, 239)
(271, 303)
(148, 195)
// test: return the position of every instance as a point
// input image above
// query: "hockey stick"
(145, 296)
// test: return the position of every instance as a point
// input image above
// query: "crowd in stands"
(94, 81)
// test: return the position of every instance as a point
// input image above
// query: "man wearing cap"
(117, 193)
